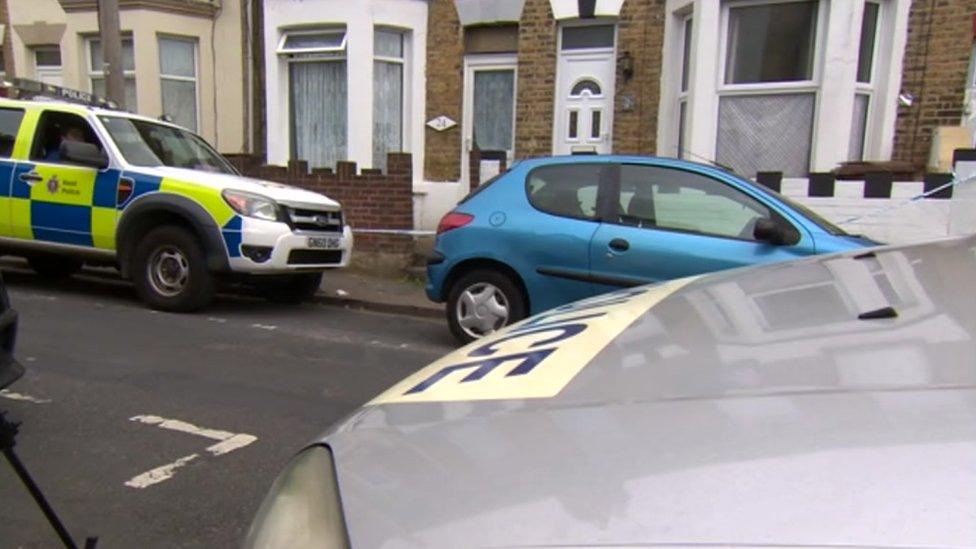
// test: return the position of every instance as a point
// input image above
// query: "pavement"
(364, 291)
(151, 429)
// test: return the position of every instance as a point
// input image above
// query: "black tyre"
(169, 269)
(482, 302)
(294, 289)
(54, 266)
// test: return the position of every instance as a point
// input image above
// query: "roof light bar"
(30, 89)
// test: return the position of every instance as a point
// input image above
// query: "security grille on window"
(766, 105)
(96, 70)
(317, 94)
(178, 80)
(388, 97)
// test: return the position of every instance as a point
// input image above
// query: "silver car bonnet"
(751, 408)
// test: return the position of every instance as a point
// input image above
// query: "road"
(240, 387)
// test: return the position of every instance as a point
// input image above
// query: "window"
(9, 125)
(865, 81)
(388, 96)
(768, 99)
(55, 127)
(494, 109)
(590, 36)
(664, 198)
(317, 94)
(96, 70)
(47, 64)
(588, 86)
(568, 190)
(771, 42)
(178, 79)
(686, 35)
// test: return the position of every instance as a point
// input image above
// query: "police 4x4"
(79, 182)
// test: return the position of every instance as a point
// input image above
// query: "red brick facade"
(370, 200)
(940, 42)
(640, 34)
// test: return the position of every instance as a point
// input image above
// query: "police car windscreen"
(144, 143)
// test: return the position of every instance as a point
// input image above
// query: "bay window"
(865, 80)
(178, 80)
(388, 94)
(768, 93)
(317, 94)
(96, 70)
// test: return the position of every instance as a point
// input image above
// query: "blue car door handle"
(619, 244)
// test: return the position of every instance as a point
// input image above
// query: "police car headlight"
(303, 508)
(252, 205)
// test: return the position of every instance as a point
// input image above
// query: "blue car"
(554, 230)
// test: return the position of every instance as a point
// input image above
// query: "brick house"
(465, 86)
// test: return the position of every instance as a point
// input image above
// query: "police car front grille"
(315, 220)
(314, 257)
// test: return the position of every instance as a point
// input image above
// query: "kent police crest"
(52, 184)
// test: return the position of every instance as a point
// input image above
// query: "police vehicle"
(83, 181)
(824, 402)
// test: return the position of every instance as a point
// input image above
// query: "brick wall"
(641, 34)
(370, 200)
(444, 90)
(934, 71)
(536, 80)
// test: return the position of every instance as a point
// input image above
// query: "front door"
(488, 119)
(672, 223)
(583, 119)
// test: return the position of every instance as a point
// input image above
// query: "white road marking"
(22, 397)
(264, 326)
(228, 442)
(159, 474)
(217, 320)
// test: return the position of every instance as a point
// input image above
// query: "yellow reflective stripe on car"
(20, 219)
(536, 358)
(210, 199)
(25, 136)
(74, 185)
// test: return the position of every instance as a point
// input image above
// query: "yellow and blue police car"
(81, 181)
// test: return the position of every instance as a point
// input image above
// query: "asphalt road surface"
(150, 429)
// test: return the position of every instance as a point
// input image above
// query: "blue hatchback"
(554, 230)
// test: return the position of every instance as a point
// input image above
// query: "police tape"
(955, 181)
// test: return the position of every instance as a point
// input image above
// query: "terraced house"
(469, 86)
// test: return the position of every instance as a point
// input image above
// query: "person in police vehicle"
(68, 133)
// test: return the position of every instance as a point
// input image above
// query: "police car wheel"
(170, 271)
(293, 289)
(54, 266)
(482, 302)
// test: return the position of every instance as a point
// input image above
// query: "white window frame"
(683, 96)
(92, 73)
(868, 88)
(765, 88)
(405, 85)
(196, 71)
(285, 33)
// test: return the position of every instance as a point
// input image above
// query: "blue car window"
(568, 190)
(664, 198)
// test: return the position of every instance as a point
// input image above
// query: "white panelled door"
(488, 117)
(583, 119)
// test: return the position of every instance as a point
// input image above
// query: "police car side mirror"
(85, 154)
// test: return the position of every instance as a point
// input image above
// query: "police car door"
(10, 122)
(53, 200)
